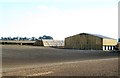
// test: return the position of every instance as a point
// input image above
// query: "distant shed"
(49, 42)
(86, 41)
(118, 46)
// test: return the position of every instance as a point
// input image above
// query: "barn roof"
(51, 42)
(101, 36)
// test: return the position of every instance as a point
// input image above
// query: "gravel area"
(45, 61)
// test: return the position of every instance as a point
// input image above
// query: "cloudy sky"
(58, 18)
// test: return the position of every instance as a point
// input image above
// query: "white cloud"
(49, 9)
(42, 7)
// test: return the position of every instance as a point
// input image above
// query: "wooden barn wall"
(84, 42)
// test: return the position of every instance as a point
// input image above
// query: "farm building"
(49, 42)
(86, 41)
(118, 46)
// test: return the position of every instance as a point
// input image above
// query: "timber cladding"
(84, 42)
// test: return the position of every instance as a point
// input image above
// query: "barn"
(118, 46)
(49, 43)
(86, 41)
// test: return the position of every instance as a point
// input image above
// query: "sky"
(58, 18)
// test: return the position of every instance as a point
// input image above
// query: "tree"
(47, 37)
(33, 39)
(2, 38)
(40, 38)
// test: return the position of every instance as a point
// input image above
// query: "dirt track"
(35, 61)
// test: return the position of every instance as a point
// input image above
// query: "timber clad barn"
(85, 41)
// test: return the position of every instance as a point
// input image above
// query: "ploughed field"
(45, 61)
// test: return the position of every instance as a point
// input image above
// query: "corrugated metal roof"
(49, 42)
(101, 36)
(53, 42)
